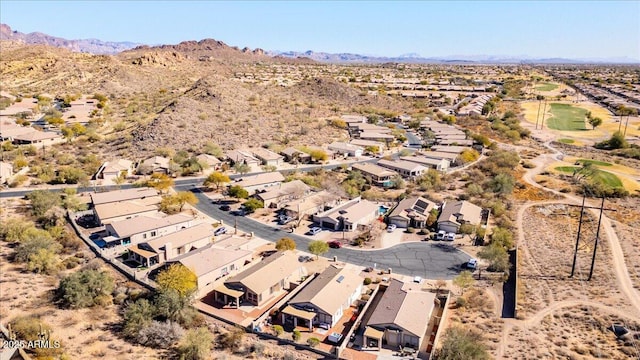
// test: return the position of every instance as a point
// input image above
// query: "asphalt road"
(413, 139)
(429, 260)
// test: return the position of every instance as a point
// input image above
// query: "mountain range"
(95, 46)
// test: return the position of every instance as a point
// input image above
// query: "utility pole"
(595, 247)
(575, 251)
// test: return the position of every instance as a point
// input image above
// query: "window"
(153, 233)
(144, 236)
(232, 267)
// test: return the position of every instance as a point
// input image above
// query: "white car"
(391, 227)
(472, 264)
(440, 235)
(450, 237)
(314, 230)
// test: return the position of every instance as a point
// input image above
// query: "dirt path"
(619, 265)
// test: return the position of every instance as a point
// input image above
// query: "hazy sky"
(574, 29)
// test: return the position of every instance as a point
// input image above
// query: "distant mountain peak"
(93, 46)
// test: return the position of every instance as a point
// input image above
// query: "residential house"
(211, 263)
(98, 198)
(375, 175)
(27, 105)
(295, 156)
(369, 144)
(375, 136)
(155, 164)
(9, 129)
(447, 141)
(277, 195)
(164, 248)
(437, 164)
(143, 228)
(405, 168)
(453, 158)
(253, 183)
(353, 215)
(450, 149)
(111, 170)
(411, 212)
(262, 282)
(242, 157)
(357, 128)
(349, 119)
(268, 157)
(324, 299)
(346, 149)
(209, 160)
(122, 210)
(79, 111)
(311, 204)
(402, 316)
(6, 172)
(38, 138)
(454, 214)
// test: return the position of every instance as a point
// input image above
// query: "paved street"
(431, 260)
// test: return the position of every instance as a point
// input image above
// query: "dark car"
(335, 244)
(225, 207)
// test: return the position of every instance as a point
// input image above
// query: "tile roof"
(182, 237)
(263, 275)
(122, 195)
(330, 289)
(467, 211)
(209, 258)
(142, 224)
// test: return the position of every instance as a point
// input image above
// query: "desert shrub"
(313, 342)
(296, 335)
(160, 334)
(14, 229)
(278, 330)
(86, 288)
(367, 281)
(34, 240)
(257, 348)
(232, 339)
(461, 301)
(196, 344)
(42, 201)
(462, 344)
(28, 327)
(137, 316)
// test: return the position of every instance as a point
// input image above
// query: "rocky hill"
(92, 46)
(183, 96)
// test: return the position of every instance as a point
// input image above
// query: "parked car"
(285, 220)
(440, 235)
(335, 244)
(220, 231)
(225, 207)
(450, 236)
(314, 230)
(391, 227)
(472, 264)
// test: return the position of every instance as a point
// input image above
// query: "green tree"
(43, 261)
(216, 178)
(285, 244)
(32, 240)
(462, 344)
(86, 288)
(617, 141)
(464, 280)
(595, 122)
(253, 204)
(242, 168)
(14, 229)
(278, 329)
(137, 316)
(318, 247)
(177, 277)
(497, 257)
(503, 237)
(78, 129)
(186, 197)
(238, 192)
(160, 182)
(503, 183)
(42, 201)
(173, 306)
(196, 344)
